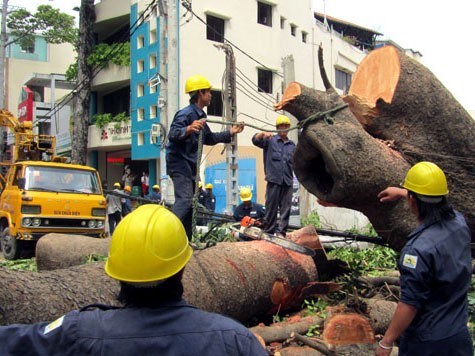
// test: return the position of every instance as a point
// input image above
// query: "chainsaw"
(250, 228)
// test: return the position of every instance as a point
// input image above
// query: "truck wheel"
(11, 247)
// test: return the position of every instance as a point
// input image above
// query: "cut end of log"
(347, 329)
(364, 111)
(377, 76)
(292, 91)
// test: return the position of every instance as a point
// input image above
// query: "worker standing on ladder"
(182, 149)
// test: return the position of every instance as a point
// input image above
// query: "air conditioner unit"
(155, 132)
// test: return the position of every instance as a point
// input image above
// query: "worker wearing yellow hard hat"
(155, 195)
(248, 208)
(126, 202)
(114, 207)
(182, 148)
(278, 150)
(147, 257)
(210, 198)
(435, 270)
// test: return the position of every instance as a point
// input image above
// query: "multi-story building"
(32, 96)
(274, 42)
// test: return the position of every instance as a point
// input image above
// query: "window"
(304, 37)
(264, 80)
(293, 30)
(282, 23)
(216, 106)
(153, 35)
(264, 14)
(152, 63)
(153, 111)
(342, 80)
(140, 113)
(140, 90)
(214, 28)
(28, 47)
(140, 42)
(140, 139)
(140, 64)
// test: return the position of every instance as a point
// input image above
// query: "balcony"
(111, 77)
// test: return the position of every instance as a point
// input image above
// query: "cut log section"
(54, 251)
(347, 329)
(239, 279)
(399, 113)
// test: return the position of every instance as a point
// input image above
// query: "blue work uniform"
(210, 201)
(254, 210)
(154, 196)
(173, 329)
(436, 270)
(278, 158)
(182, 155)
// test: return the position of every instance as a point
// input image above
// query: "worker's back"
(173, 328)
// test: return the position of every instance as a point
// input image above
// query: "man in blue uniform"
(182, 149)
(210, 198)
(436, 269)
(155, 194)
(148, 252)
(248, 207)
(278, 155)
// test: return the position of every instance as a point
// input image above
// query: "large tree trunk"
(240, 279)
(55, 251)
(345, 161)
(83, 95)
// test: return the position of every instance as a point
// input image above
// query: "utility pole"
(3, 48)
(3, 41)
(231, 116)
(163, 96)
(169, 64)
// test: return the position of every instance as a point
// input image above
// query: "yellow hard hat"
(116, 185)
(196, 82)
(200, 184)
(127, 188)
(156, 187)
(149, 244)
(426, 178)
(245, 194)
(209, 186)
(282, 120)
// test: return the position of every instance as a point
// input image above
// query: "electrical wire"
(95, 71)
(187, 5)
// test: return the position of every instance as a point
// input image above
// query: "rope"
(326, 115)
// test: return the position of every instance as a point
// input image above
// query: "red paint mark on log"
(239, 272)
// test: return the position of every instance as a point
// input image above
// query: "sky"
(442, 31)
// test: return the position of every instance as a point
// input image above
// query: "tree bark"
(371, 144)
(83, 94)
(240, 279)
(281, 331)
(55, 251)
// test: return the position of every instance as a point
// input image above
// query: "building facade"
(274, 42)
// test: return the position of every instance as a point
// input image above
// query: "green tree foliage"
(102, 55)
(55, 26)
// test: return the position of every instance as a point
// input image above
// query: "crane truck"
(41, 194)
